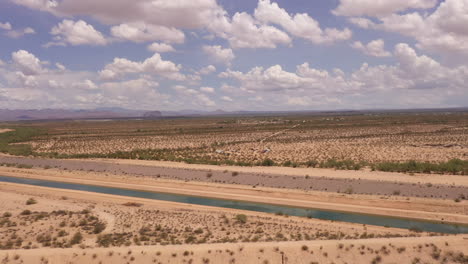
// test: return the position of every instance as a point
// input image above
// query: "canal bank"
(350, 217)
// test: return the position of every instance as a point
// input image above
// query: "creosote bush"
(241, 218)
(31, 201)
(76, 239)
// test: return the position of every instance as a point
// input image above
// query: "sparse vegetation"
(240, 142)
(31, 201)
(133, 204)
(76, 239)
(453, 166)
(241, 218)
(427, 142)
(267, 162)
(349, 190)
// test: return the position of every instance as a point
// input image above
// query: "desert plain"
(411, 165)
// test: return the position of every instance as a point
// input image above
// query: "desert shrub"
(267, 162)
(62, 233)
(26, 212)
(99, 227)
(76, 239)
(44, 239)
(133, 204)
(24, 166)
(401, 249)
(115, 239)
(6, 214)
(453, 166)
(241, 218)
(376, 260)
(311, 163)
(190, 239)
(342, 164)
(349, 190)
(31, 201)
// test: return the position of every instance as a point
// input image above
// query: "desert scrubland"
(47, 225)
(410, 165)
(343, 142)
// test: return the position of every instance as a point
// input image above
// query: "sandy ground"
(4, 130)
(110, 209)
(220, 223)
(394, 250)
(421, 208)
(453, 187)
(52, 200)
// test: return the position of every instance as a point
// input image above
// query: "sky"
(233, 55)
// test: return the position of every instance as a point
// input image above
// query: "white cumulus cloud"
(411, 72)
(207, 70)
(76, 33)
(187, 14)
(6, 25)
(443, 31)
(160, 47)
(379, 8)
(226, 98)
(27, 62)
(15, 33)
(299, 25)
(244, 31)
(219, 54)
(153, 65)
(142, 32)
(86, 85)
(374, 48)
(206, 89)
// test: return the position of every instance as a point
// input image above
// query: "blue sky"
(233, 55)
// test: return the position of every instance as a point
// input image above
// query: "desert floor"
(450, 249)
(299, 139)
(417, 248)
(150, 231)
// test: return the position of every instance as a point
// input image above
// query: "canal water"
(387, 221)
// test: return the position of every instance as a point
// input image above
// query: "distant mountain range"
(98, 113)
(43, 114)
(119, 113)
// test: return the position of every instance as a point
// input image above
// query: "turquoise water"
(252, 206)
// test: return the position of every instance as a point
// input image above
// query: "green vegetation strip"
(453, 166)
(9, 141)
